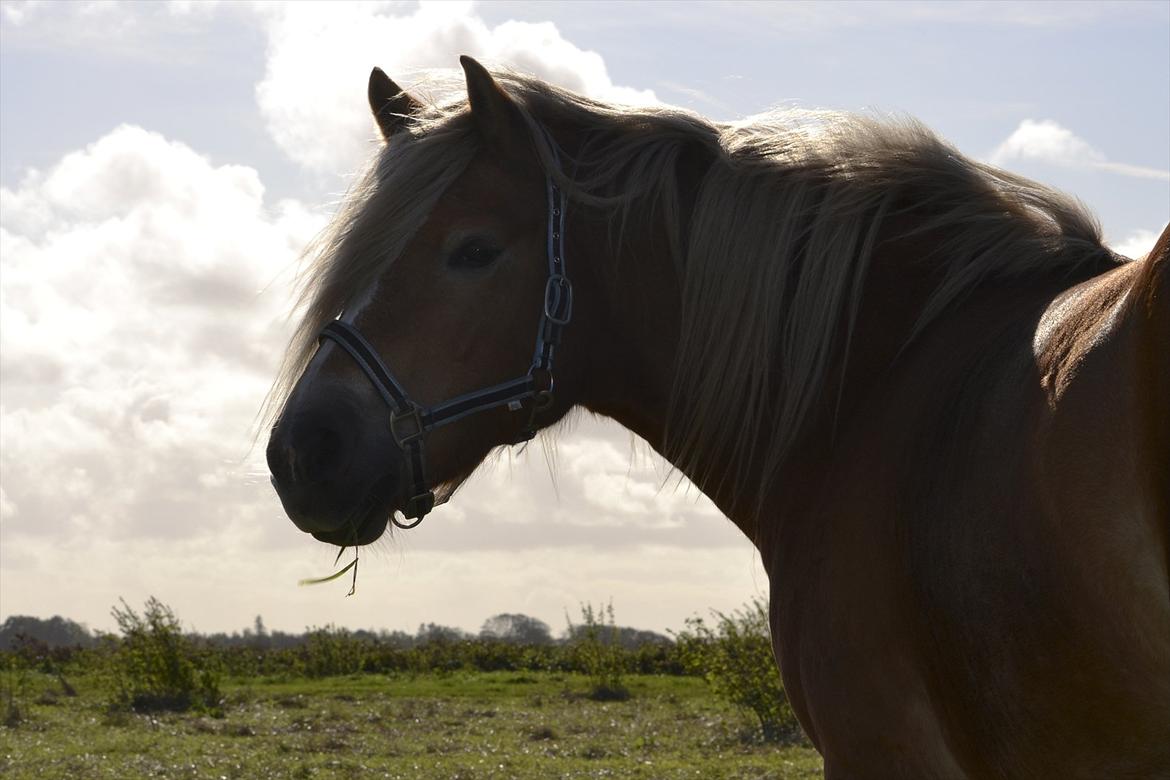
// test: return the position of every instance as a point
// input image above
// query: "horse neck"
(633, 336)
(634, 344)
(633, 339)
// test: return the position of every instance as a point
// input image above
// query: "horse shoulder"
(1102, 456)
(1150, 313)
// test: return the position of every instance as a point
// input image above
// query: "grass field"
(460, 725)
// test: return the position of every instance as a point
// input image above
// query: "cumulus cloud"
(1136, 244)
(599, 488)
(135, 342)
(312, 95)
(142, 301)
(142, 32)
(136, 350)
(7, 508)
(1047, 141)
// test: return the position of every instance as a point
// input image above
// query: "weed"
(156, 667)
(599, 652)
(14, 692)
(736, 659)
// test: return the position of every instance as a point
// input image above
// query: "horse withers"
(921, 385)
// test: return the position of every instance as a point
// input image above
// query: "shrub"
(156, 667)
(736, 659)
(599, 652)
(13, 691)
(332, 651)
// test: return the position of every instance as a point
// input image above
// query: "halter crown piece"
(410, 421)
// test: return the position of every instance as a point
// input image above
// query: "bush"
(155, 667)
(736, 659)
(599, 652)
(13, 691)
(332, 651)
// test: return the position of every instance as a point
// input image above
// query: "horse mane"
(382, 210)
(771, 258)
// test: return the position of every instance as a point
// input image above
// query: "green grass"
(461, 725)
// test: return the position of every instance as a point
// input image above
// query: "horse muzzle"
(331, 474)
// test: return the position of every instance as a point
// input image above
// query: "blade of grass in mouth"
(351, 565)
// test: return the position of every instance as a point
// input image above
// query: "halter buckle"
(413, 418)
(541, 400)
(417, 507)
(558, 295)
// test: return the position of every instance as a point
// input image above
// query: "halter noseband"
(410, 421)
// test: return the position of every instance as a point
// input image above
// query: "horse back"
(1150, 311)
(1069, 486)
(996, 509)
(1028, 506)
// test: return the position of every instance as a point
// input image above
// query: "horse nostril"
(308, 452)
(279, 457)
(319, 456)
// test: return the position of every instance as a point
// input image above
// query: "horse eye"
(473, 254)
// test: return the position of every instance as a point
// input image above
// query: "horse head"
(446, 276)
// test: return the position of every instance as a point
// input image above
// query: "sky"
(162, 166)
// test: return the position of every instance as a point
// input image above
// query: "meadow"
(156, 703)
(459, 725)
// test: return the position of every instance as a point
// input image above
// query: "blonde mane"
(771, 258)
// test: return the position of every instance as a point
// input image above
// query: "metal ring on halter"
(414, 415)
(407, 526)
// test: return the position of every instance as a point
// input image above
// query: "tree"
(259, 638)
(54, 632)
(433, 632)
(629, 638)
(520, 629)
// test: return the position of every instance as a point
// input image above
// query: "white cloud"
(135, 343)
(1136, 244)
(135, 352)
(190, 7)
(1047, 141)
(654, 586)
(16, 11)
(320, 55)
(601, 492)
(136, 348)
(7, 508)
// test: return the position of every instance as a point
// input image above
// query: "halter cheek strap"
(410, 421)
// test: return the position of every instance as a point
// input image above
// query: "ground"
(459, 726)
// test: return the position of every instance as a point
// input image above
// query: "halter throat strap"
(410, 421)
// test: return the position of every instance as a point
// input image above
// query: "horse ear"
(495, 115)
(390, 104)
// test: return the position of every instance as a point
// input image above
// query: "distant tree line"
(60, 633)
(55, 632)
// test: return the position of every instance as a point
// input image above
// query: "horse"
(922, 386)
